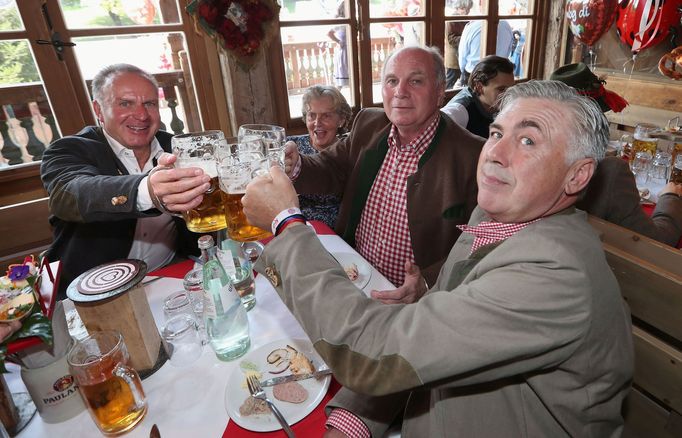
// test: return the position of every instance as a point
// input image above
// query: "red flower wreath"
(243, 25)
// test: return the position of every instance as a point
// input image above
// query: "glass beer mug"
(200, 150)
(110, 388)
(271, 139)
(644, 140)
(236, 171)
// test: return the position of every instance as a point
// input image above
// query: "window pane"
(311, 57)
(458, 7)
(86, 14)
(395, 8)
(162, 54)
(520, 47)
(472, 45)
(9, 16)
(294, 10)
(27, 124)
(453, 35)
(385, 38)
(515, 7)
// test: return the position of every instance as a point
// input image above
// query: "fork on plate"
(257, 392)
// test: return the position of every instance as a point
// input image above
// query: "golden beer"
(648, 145)
(112, 405)
(676, 175)
(238, 228)
(210, 214)
(111, 390)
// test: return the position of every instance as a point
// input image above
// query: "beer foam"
(208, 166)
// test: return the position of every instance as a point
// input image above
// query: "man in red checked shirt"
(523, 334)
(407, 176)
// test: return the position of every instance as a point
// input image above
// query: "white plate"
(236, 392)
(346, 259)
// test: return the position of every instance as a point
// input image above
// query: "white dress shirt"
(154, 240)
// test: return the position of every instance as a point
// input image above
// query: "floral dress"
(323, 208)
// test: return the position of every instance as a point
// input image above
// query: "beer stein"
(271, 138)
(640, 167)
(676, 174)
(644, 140)
(110, 388)
(660, 168)
(236, 171)
(200, 150)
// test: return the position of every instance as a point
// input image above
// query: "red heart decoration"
(590, 19)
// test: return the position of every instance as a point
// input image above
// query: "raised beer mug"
(270, 137)
(200, 149)
(236, 171)
(110, 388)
(644, 140)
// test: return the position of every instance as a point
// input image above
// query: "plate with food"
(294, 399)
(357, 269)
(16, 303)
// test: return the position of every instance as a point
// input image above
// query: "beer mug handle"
(158, 203)
(133, 381)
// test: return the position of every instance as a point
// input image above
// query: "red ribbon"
(612, 100)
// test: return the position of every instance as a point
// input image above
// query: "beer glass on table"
(111, 389)
(235, 172)
(644, 140)
(270, 137)
(199, 150)
(676, 174)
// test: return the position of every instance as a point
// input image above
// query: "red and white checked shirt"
(487, 232)
(383, 234)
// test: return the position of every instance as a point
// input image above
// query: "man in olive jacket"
(524, 334)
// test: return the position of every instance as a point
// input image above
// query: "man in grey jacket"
(524, 333)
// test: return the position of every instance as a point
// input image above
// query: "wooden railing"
(307, 64)
(27, 125)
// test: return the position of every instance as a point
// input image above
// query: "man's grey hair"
(106, 76)
(589, 134)
(461, 4)
(438, 63)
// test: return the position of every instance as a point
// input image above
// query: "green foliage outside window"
(16, 62)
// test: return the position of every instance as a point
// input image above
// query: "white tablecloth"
(189, 402)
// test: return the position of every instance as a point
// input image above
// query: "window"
(346, 43)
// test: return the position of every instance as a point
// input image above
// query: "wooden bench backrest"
(650, 277)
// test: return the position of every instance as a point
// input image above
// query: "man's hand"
(7, 328)
(291, 157)
(672, 187)
(267, 196)
(412, 289)
(177, 189)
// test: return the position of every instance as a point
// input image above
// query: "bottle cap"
(205, 242)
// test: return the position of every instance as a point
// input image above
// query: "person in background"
(612, 195)
(8, 328)
(516, 55)
(470, 45)
(474, 107)
(327, 116)
(453, 33)
(104, 203)
(524, 333)
(406, 175)
(338, 35)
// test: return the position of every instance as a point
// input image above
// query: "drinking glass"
(640, 167)
(271, 138)
(644, 139)
(199, 150)
(626, 141)
(177, 303)
(236, 171)
(660, 168)
(182, 339)
(676, 174)
(238, 267)
(111, 389)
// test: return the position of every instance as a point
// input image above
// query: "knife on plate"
(294, 377)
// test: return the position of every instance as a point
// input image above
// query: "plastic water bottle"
(227, 325)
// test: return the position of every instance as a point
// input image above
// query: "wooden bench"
(650, 277)
(25, 230)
